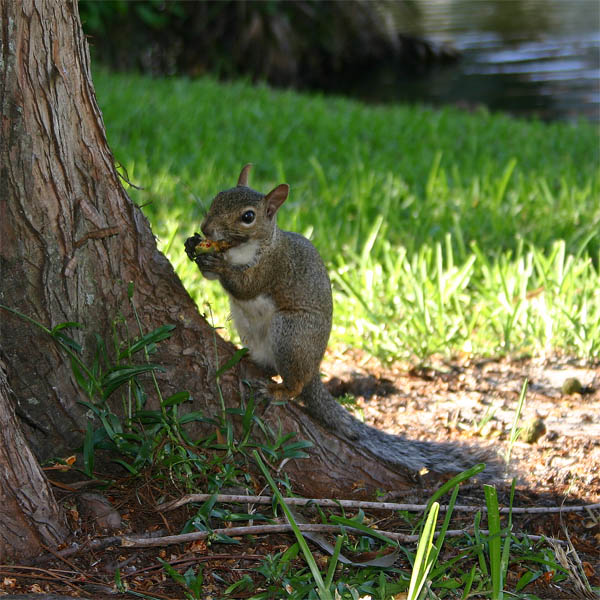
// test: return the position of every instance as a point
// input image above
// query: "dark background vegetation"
(304, 43)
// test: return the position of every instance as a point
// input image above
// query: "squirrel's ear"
(275, 198)
(243, 178)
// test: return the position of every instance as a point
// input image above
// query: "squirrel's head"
(241, 213)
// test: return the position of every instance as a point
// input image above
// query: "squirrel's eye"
(248, 217)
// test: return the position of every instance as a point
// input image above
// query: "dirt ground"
(475, 402)
(472, 402)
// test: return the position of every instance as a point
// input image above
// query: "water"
(527, 57)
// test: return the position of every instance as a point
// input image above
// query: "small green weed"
(274, 567)
(192, 581)
(137, 437)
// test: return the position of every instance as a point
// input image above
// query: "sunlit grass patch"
(526, 301)
(444, 232)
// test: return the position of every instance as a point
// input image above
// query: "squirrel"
(281, 304)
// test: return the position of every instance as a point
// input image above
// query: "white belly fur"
(252, 319)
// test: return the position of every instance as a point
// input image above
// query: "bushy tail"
(395, 450)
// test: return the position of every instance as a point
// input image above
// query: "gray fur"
(281, 302)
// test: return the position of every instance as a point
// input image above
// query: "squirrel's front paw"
(209, 263)
(190, 245)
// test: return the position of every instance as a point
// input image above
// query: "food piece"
(206, 246)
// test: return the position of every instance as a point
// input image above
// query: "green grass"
(443, 231)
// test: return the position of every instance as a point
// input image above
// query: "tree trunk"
(29, 515)
(71, 240)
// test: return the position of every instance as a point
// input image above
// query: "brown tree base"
(29, 516)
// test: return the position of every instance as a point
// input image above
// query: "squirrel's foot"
(280, 391)
(274, 391)
(259, 388)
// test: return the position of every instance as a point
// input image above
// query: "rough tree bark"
(29, 516)
(71, 240)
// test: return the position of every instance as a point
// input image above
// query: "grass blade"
(494, 541)
(423, 563)
(324, 592)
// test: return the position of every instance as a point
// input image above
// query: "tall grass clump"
(443, 231)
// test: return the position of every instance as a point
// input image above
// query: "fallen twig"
(152, 540)
(145, 542)
(97, 544)
(69, 578)
(166, 506)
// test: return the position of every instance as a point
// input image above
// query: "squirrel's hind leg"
(296, 361)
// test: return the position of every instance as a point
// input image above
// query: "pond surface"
(527, 57)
